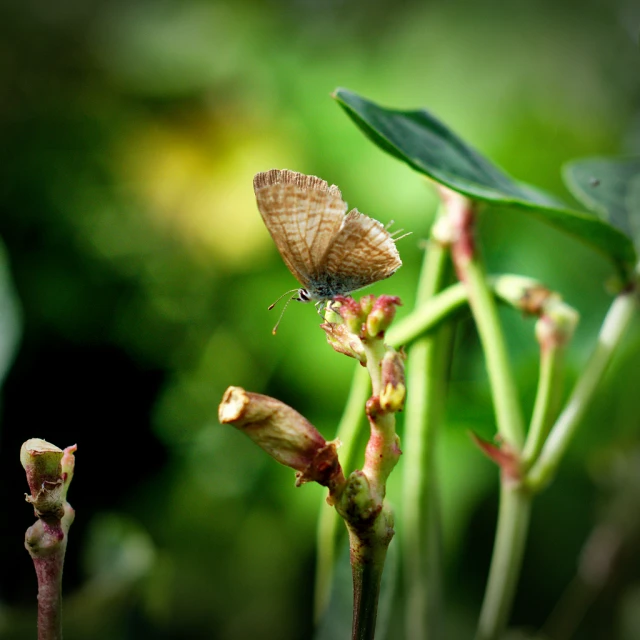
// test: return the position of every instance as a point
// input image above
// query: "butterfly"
(329, 251)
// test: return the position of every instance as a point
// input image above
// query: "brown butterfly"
(329, 251)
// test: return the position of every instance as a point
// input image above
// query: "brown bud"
(283, 433)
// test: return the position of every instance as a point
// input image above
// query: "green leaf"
(610, 187)
(430, 147)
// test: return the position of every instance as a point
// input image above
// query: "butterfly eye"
(303, 295)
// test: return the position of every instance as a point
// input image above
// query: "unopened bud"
(344, 341)
(357, 503)
(394, 389)
(284, 434)
(366, 304)
(42, 462)
(67, 466)
(382, 315)
(525, 294)
(557, 324)
(351, 313)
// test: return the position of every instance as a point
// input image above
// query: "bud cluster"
(363, 320)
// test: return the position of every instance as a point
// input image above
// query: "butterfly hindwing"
(362, 252)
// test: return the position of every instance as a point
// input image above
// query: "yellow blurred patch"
(196, 182)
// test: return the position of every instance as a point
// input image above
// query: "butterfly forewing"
(302, 214)
(362, 252)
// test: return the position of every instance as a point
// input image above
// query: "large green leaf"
(610, 187)
(430, 147)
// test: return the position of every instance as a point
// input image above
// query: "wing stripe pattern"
(302, 214)
(363, 251)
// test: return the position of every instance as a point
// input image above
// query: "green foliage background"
(131, 132)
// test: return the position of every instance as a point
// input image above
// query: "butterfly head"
(304, 296)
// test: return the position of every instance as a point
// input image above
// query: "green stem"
(329, 522)
(426, 387)
(544, 410)
(613, 328)
(508, 550)
(509, 419)
(368, 554)
(428, 315)
(515, 507)
(374, 350)
(369, 519)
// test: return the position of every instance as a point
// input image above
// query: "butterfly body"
(329, 251)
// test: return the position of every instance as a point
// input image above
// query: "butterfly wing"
(362, 252)
(302, 214)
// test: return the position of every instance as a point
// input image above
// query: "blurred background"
(136, 275)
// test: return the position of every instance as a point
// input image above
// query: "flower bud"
(344, 341)
(67, 465)
(358, 506)
(42, 462)
(556, 325)
(382, 315)
(351, 313)
(394, 389)
(284, 434)
(366, 304)
(525, 294)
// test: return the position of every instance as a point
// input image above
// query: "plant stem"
(47, 545)
(515, 506)
(375, 350)
(461, 216)
(435, 310)
(329, 523)
(508, 550)
(544, 410)
(368, 517)
(613, 328)
(426, 375)
(368, 553)
(510, 423)
(428, 315)
(49, 471)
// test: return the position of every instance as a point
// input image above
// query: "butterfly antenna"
(286, 304)
(394, 234)
(404, 235)
(286, 293)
